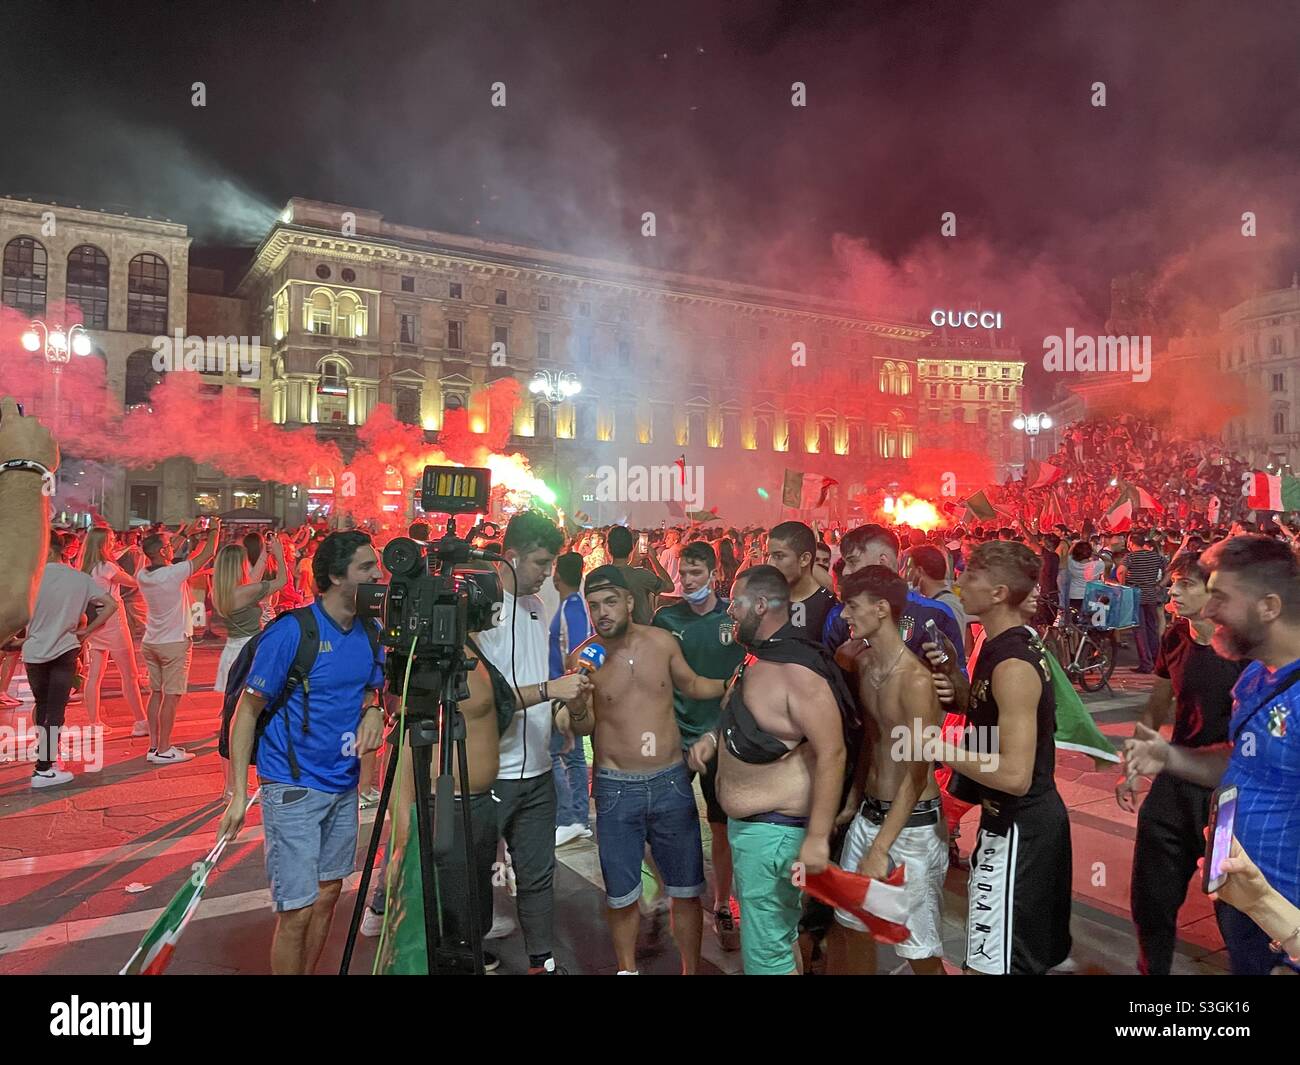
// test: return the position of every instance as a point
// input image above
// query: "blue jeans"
(570, 773)
(633, 809)
(310, 838)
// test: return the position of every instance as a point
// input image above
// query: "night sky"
(684, 109)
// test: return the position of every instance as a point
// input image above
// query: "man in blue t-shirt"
(310, 822)
(874, 545)
(1255, 606)
(569, 628)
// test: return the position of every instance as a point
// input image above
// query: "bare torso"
(783, 786)
(483, 741)
(636, 729)
(884, 714)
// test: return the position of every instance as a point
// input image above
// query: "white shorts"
(924, 851)
(228, 655)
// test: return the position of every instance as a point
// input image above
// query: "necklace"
(877, 678)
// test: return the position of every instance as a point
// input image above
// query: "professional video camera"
(427, 610)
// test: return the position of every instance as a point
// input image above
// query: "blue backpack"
(298, 677)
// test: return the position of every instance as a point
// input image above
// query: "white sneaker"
(502, 925)
(140, 728)
(171, 756)
(632, 972)
(49, 778)
(372, 923)
(567, 834)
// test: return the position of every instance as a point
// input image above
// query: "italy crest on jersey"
(1277, 716)
(906, 627)
(726, 633)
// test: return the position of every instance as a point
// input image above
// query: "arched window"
(22, 286)
(141, 378)
(333, 376)
(763, 433)
(146, 295)
(349, 316)
(904, 381)
(542, 420)
(320, 313)
(88, 284)
(886, 376)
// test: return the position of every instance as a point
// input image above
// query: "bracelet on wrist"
(1278, 946)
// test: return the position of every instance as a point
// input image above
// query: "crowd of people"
(790, 675)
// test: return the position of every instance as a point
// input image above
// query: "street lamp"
(555, 387)
(1031, 425)
(60, 345)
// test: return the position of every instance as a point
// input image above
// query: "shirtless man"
(895, 803)
(642, 787)
(780, 750)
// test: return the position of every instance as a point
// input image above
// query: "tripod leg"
(422, 763)
(475, 930)
(372, 849)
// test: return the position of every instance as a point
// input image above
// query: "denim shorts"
(310, 839)
(633, 809)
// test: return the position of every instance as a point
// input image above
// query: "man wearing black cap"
(642, 787)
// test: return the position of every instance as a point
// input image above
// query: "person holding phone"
(1242, 886)
(1254, 604)
(1194, 682)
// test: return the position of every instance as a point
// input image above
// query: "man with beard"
(1019, 897)
(1195, 682)
(642, 787)
(895, 801)
(780, 751)
(1254, 605)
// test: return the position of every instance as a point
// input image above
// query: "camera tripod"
(432, 717)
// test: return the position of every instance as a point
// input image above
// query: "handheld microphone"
(591, 658)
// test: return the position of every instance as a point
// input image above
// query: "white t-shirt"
(550, 597)
(531, 666)
(167, 595)
(62, 599)
(671, 560)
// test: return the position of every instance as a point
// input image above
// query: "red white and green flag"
(980, 507)
(1268, 491)
(805, 491)
(1040, 474)
(1119, 516)
(155, 951)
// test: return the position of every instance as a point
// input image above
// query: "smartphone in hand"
(1223, 813)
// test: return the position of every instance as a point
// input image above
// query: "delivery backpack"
(298, 677)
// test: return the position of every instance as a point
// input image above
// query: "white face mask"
(697, 597)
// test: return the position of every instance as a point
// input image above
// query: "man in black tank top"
(1019, 897)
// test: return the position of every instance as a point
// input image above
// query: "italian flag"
(1267, 491)
(154, 953)
(1119, 518)
(805, 491)
(980, 507)
(1040, 474)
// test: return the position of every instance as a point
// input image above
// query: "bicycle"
(1082, 650)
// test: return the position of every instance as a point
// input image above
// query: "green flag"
(1291, 493)
(1075, 728)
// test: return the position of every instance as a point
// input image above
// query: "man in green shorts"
(780, 768)
(707, 635)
